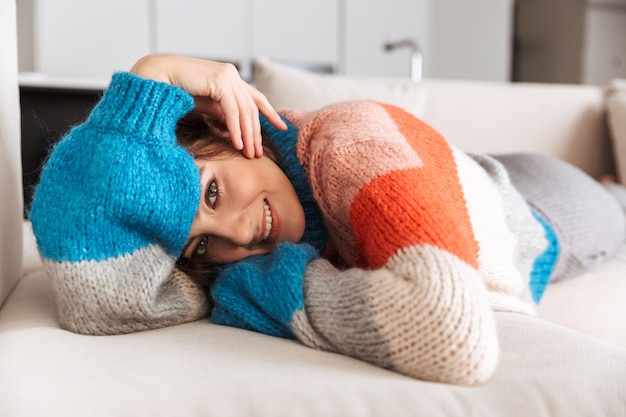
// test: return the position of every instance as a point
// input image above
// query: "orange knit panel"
(414, 206)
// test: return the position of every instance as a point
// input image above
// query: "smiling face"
(247, 207)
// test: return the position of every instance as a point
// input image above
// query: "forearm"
(219, 92)
(139, 110)
(132, 126)
(425, 314)
(428, 322)
(112, 212)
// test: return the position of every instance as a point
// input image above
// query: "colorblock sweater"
(427, 241)
(113, 210)
(431, 242)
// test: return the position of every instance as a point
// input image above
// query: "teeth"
(268, 220)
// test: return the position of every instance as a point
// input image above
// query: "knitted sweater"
(113, 210)
(433, 240)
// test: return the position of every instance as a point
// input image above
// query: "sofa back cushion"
(11, 211)
(287, 87)
(565, 121)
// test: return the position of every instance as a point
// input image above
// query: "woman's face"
(247, 207)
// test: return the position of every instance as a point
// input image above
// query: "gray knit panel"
(131, 293)
(587, 220)
(426, 315)
(618, 191)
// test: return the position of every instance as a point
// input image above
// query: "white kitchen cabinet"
(605, 46)
(93, 38)
(297, 31)
(471, 39)
(212, 29)
(89, 38)
(371, 24)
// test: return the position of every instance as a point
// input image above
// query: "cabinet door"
(472, 39)
(89, 38)
(370, 24)
(211, 29)
(296, 31)
(605, 47)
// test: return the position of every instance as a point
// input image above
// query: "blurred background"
(68, 49)
(568, 41)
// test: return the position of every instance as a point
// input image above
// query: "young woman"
(361, 231)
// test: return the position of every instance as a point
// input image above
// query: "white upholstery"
(592, 303)
(208, 370)
(200, 369)
(10, 159)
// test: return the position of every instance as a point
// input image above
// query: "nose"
(235, 228)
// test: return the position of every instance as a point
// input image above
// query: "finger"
(232, 120)
(250, 131)
(258, 136)
(267, 110)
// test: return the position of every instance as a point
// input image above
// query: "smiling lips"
(268, 220)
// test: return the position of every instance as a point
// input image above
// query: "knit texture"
(113, 210)
(263, 292)
(284, 142)
(543, 267)
(427, 234)
(586, 219)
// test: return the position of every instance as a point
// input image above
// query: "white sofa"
(575, 368)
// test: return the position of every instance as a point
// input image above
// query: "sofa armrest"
(10, 159)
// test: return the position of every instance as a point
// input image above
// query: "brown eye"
(211, 194)
(201, 248)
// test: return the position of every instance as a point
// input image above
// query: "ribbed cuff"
(141, 108)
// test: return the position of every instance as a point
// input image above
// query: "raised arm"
(218, 91)
(425, 315)
(117, 196)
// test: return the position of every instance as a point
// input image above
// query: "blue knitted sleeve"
(118, 182)
(262, 293)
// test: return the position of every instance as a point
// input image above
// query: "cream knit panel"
(426, 315)
(508, 236)
(136, 292)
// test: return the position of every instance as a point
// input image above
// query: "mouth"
(268, 220)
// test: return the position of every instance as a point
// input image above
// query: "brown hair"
(206, 138)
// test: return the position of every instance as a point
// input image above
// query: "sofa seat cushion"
(204, 369)
(591, 303)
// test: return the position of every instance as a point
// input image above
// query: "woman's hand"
(218, 91)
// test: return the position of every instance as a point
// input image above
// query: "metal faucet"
(416, 56)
